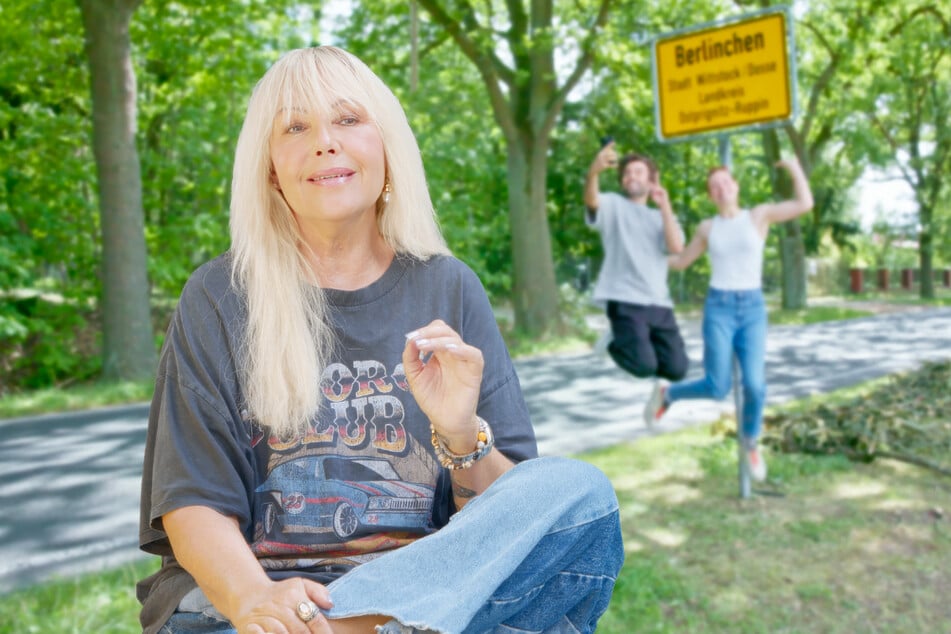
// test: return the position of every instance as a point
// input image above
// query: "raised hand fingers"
(435, 356)
(445, 376)
(606, 157)
(437, 337)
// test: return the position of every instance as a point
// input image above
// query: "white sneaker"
(655, 408)
(754, 460)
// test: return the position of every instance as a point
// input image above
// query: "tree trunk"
(926, 252)
(792, 249)
(526, 101)
(793, 254)
(535, 293)
(128, 347)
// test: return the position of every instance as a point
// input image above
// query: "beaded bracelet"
(452, 461)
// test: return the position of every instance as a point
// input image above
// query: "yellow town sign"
(722, 77)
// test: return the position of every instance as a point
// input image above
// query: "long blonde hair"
(288, 339)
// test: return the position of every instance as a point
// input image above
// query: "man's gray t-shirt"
(634, 270)
(363, 479)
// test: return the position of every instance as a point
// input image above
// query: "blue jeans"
(538, 551)
(734, 322)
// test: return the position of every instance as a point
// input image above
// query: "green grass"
(103, 603)
(833, 547)
(814, 314)
(904, 297)
(76, 397)
(844, 547)
(520, 347)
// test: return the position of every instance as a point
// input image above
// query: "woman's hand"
(800, 203)
(212, 548)
(788, 163)
(274, 609)
(445, 377)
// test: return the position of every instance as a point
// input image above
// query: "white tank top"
(736, 253)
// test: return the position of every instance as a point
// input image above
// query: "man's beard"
(636, 190)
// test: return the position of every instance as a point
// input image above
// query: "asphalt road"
(69, 484)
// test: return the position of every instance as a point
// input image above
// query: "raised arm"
(696, 248)
(673, 234)
(800, 203)
(605, 158)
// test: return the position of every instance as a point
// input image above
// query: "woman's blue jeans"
(734, 322)
(539, 551)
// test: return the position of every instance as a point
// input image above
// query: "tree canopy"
(508, 101)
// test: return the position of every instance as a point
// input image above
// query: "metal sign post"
(732, 75)
(726, 159)
(743, 465)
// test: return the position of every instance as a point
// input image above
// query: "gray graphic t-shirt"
(634, 269)
(362, 479)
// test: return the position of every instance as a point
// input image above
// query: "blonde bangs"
(324, 81)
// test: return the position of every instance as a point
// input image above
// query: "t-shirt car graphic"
(334, 498)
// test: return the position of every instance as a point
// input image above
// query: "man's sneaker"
(754, 460)
(656, 405)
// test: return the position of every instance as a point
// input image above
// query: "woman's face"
(723, 189)
(330, 168)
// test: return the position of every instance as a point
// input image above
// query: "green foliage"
(49, 243)
(196, 63)
(889, 246)
(904, 418)
(907, 103)
(48, 341)
(48, 228)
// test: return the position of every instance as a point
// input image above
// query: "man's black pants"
(647, 341)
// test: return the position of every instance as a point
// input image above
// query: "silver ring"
(307, 610)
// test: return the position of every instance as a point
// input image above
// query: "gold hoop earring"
(386, 192)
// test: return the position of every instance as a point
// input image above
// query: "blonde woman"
(334, 388)
(734, 313)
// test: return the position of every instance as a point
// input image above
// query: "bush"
(47, 341)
